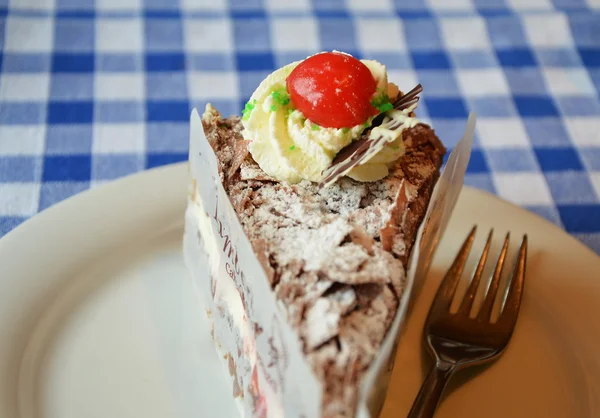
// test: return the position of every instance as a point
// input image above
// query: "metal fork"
(456, 340)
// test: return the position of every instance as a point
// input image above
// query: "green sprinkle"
(248, 108)
(293, 147)
(290, 111)
(396, 148)
(345, 130)
(273, 108)
(315, 127)
(366, 124)
(385, 107)
(281, 96)
(382, 103)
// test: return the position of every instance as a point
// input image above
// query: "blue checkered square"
(337, 34)
(525, 80)
(474, 59)
(157, 160)
(171, 85)
(558, 159)
(94, 90)
(163, 35)
(70, 112)
(510, 160)
(25, 63)
(67, 168)
(22, 113)
(506, 32)
(547, 132)
(255, 61)
(579, 106)
(118, 62)
(74, 35)
(250, 35)
(168, 111)
(213, 62)
(165, 62)
(492, 106)
(167, 137)
(69, 139)
(110, 167)
(516, 57)
(72, 63)
(533, 106)
(430, 60)
(119, 112)
(72, 87)
(578, 218)
(18, 169)
(571, 187)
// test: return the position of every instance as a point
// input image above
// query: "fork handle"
(431, 391)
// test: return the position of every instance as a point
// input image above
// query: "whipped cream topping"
(289, 147)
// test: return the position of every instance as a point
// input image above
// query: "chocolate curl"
(409, 99)
(359, 150)
(349, 157)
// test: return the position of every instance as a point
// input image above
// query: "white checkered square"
(24, 87)
(119, 86)
(484, 82)
(548, 31)
(118, 5)
(288, 5)
(529, 5)
(465, 34)
(208, 35)
(371, 5)
(213, 85)
(28, 34)
(569, 82)
(404, 79)
(47, 5)
(298, 34)
(523, 188)
(19, 199)
(499, 133)
(453, 5)
(370, 33)
(22, 139)
(119, 138)
(119, 35)
(595, 178)
(584, 131)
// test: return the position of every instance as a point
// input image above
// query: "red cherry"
(333, 90)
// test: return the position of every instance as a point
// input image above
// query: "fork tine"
(486, 308)
(445, 293)
(469, 298)
(514, 294)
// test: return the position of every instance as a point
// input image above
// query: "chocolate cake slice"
(335, 257)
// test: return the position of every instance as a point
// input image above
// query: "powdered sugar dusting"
(323, 252)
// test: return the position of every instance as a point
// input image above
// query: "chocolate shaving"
(240, 152)
(349, 157)
(358, 151)
(409, 99)
(402, 102)
(393, 225)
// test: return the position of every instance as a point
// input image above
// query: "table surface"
(94, 90)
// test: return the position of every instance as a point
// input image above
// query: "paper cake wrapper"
(262, 354)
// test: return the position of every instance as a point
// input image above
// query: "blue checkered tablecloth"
(92, 90)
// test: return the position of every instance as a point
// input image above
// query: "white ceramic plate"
(98, 317)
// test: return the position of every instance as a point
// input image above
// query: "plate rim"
(145, 175)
